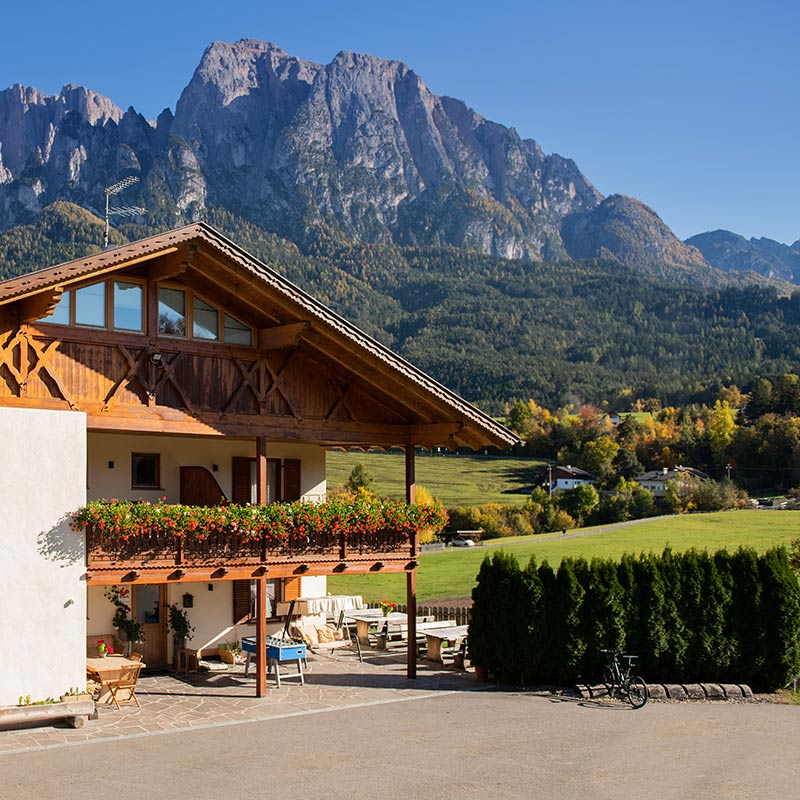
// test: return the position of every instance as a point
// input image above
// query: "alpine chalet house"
(181, 368)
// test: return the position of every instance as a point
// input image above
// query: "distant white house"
(562, 478)
(655, 480)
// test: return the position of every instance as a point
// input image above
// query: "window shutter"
(241, 480)
(291, 589)
(241, 601)
(291, 477)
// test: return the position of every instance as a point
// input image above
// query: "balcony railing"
(130, 540)
(158, 548)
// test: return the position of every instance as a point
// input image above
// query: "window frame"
(157, 485)
(189, 296)
(109, 284)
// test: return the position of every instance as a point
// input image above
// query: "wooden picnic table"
(105, 670)
(366, 618)
(397, 624)
(438, 636)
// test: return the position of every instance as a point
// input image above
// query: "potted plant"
(131, 630)
(229, 651)
(103, 648)
(75, 694)
(180, 626)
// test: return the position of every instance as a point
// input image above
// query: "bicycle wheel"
(637, 692)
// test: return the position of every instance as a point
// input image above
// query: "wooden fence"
(459, 613)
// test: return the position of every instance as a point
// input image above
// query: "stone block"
(747, 692)
(694, 691)
(713, 691)
(675, 691)
(732, 691)
(656, 691)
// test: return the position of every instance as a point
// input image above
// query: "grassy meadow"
(463, 480)
(451, 574)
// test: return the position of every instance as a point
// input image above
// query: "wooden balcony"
(160, 557)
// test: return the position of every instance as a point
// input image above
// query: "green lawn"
(455, 480)
(451, 574)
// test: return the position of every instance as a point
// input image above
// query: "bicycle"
(619, 679)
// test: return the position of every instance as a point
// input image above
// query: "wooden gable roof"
(312, 375)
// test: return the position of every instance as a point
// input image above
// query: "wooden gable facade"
(305, 374)
(185, 334)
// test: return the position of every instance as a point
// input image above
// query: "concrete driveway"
(443, 736)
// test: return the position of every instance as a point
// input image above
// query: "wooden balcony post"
(261, 636)
(261, 470)
(411, 577)
(411, 478)
(261, 582)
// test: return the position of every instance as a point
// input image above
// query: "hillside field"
(461, 480)
(450, 575)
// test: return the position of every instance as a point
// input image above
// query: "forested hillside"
(496, 330)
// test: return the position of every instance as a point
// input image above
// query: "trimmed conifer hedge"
(690, 617)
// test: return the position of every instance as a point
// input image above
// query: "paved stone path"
(210, 699)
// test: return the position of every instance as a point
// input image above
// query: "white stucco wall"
(42, 561)
(185, 451)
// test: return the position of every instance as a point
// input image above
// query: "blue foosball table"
(279, 651)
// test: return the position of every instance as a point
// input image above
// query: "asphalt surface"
(453, 745)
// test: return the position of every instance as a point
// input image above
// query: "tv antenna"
(120, 211)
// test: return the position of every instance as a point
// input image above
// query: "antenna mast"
(120, 211)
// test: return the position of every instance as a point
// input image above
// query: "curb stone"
(694, 691)
(656, 691)
(675, 691)
(718, 692)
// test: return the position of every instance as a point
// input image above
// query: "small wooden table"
(104, 670)
(437, 636)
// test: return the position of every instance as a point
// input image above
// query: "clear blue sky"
(692, 107)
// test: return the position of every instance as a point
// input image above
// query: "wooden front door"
(149, 607)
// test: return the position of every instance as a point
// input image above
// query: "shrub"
(691, 617)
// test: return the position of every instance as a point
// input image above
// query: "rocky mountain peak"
(624, 228)
(359, 148)
(729, 251)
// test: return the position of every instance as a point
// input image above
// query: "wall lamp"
(157, 360)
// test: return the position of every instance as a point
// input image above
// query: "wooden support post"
(411, 577)
(411, 609)
(411, 478)
(261, 469)
(261, 636)
(261, 582)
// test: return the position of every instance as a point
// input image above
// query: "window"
(244, 599)
(205, 320)
(90, 305)
(61, 315)
(120, 305)
(171, 312)
(237, 332)
(245, 480)
(145, 471)
(127, 306)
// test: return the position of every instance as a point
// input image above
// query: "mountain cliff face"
(729, 251)
(356, 150)
(359, 147)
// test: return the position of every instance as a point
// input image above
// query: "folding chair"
(127, 681)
